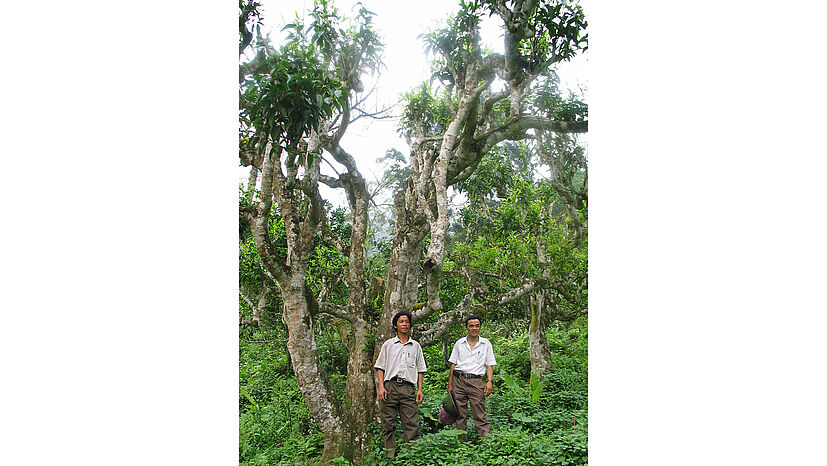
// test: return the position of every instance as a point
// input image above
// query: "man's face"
(473, 327)
(403, 324)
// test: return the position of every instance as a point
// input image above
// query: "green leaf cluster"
(424, 111)
(547, 100)
(534, 421)
(455, 45)
(287, 93)
(549, 32)
(293, 98)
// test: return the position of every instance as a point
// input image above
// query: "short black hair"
(402, 313)
(472, 317)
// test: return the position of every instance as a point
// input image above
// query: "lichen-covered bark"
(449, 155)
(464, 119)
(403, 267)
(299, 204)
(539, 354)
(360, 391)
(313, 381)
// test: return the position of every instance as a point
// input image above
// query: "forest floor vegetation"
(533, 421)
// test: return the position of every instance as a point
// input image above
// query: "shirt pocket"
(411, 360)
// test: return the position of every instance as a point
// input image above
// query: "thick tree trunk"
(421, 209)
(403, 268)
(538, 349)
(360, 392)
(313, 381)
(252, 179)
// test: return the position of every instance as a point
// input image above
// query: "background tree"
(482, 100)
(516, 231)
(296, 102)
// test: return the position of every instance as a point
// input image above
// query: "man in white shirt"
(399, 370)
(472, 359)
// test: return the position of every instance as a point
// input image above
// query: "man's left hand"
(489, 387)
(419, 396)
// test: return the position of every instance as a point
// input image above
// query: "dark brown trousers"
(402, 401)
(470, 397)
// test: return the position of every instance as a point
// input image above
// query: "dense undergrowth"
(532, 421)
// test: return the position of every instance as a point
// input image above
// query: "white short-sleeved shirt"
(399, 359)
(472, 361)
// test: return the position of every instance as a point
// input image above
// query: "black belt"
(400, 380)
(467, 376)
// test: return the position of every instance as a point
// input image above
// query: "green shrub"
(533, 421)
(512, 355)
(440, 448)
(277, 428)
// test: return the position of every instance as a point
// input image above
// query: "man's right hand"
(383, 394)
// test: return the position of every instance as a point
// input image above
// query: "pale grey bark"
(253, 178)
(539, 353)
(430, 333)
(304, 355)
(299, 205)
(466, 138)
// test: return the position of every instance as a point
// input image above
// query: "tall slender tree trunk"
(360, 390)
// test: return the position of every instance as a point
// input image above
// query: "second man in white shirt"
(471, 376)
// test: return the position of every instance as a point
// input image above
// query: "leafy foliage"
(275, 426)
(397, 170)
(293, 98)
(425, 111)
(455, 44)
(548, 32)
(548, 100)
(287, 93)
(248, 22)
(533, 421)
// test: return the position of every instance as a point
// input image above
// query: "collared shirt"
(472, 361)
(399, 359)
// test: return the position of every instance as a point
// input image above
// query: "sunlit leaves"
(558, 33)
